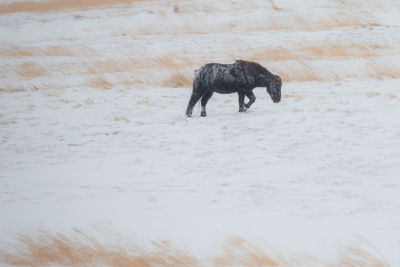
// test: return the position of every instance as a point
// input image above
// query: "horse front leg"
(204, 101)
(242, 108)
(252, 99)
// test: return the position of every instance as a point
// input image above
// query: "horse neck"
(266, 79)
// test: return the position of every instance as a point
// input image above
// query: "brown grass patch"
(341, 20)
(383, 69)
(144, 101)
(120, 118)
(12, 90)
(171, 61)
(294, 96)
(52, 51)
(31, 70)
(58, 5)
(355, 256)
(16, 51)
(285, 19)
(291, 20)
(275, 54)
(372, 94)
(57, 51)
(178, 80)
(376, 68)
(3, 123)
(300, 71)
(100, 82)
(82, 249)
(273, 5)
(238, 252)
(167, 61)
(107, 66)
(325, 50)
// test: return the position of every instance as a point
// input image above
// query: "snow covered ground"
(93, 130)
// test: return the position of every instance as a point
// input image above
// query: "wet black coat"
(241, 77)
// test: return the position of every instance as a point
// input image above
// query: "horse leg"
(252, 99)
(242, 108)
(192, 102)
(204, 101)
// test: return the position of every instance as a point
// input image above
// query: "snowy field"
(100, 166)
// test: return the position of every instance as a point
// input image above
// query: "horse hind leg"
(204, 101)
(196, 95)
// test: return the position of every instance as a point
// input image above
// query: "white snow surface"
(309, 173)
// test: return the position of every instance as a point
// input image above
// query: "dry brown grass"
(274, 54)
(383, 69)
(82, 249)
(290, 20)
(296, 62)
(293, 64)
(178, 80)
(164, 61)
(356, 257)
(27, 51)
(171, 61)
(3, 123)
(152, 72)
(100, 82)
(107, 66)
(30, 70)
(372, 94)
(294, 96)
(352, 256)
(282, 20)
(120, 118)
(57, 5)
(16, 51)
(300, 71)
(56, 51)
(391, 96)
(273, 5)
(370, 4)
(325, 50)
(12, 90)
(304, 71)
(239, 252)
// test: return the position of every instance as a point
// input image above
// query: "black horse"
(241, 77)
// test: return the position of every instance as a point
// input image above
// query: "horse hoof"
(203, 114)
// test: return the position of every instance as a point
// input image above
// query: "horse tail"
(195, 92)
(197, 78)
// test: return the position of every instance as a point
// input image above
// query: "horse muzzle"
(276, 99)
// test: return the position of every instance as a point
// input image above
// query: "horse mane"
(253, 68)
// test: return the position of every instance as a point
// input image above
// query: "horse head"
(274, 88)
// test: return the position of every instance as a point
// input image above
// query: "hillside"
(99, 164)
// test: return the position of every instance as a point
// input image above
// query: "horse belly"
(225, 90)
(225, 86)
